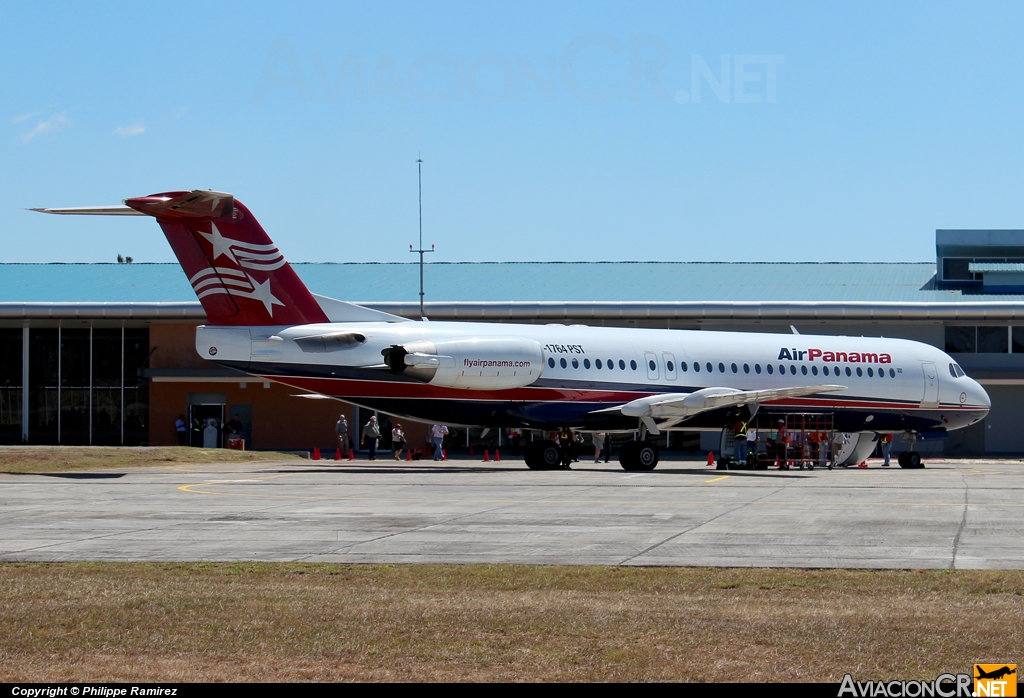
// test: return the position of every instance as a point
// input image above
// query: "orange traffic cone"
(487, 457)
(351, 454)
(863, 464)
(337, 454)
(497, 456)
(444, 455)
(711, 458)
(316, 454)
(408, 454)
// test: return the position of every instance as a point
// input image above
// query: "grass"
(49, 459)
(312, 622)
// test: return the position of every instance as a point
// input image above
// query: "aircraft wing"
(675, 407)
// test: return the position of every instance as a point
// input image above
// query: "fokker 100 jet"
(261, 319)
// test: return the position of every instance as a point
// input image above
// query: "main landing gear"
(543, 455)
(638, 456)
(909, 459)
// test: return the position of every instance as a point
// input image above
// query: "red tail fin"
(235, 269)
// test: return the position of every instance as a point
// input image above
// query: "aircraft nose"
(982, 396)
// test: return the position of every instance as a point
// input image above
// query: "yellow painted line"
(718, 479)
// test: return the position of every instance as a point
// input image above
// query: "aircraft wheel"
(910, 459)
(638, 456)
(543, 455)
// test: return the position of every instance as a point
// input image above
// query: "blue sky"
(549, 131)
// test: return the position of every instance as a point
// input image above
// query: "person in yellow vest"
(740, 440)
(886, 448)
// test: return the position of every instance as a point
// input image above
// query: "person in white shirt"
(437, 434)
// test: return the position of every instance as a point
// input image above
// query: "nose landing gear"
(910, 459)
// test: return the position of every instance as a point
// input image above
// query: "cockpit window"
(952, 371)
(959, 371)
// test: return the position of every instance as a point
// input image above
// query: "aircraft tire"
(638, 456)
(910, 460)
(543, 455)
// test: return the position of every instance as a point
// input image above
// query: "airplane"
(262, 320)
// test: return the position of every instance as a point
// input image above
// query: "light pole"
(419, 170)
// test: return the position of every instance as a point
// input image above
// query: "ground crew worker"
(886, 448)
(740, 451)
(781, 445)
(565, 445)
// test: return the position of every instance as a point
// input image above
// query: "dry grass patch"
(287, 622)
(50, 459)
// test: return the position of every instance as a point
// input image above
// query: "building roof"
(515, 281)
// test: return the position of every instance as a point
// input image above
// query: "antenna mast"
(419, 171)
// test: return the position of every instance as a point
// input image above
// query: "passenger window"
(671, 366)
(622, 365)
(586, 363)
(632, 364)
(892, 373)
(551, 362)
(562, 363)
(597, 363)
(792, 369)
(770, 369)
(575, 363)
(860, 373)
(651, 365)
(611, 365)
(782, 370)
(709, 367)
(848, 371)
(803, 370)
(696, 367)
(824, 369)
(746, 368)
(871, 374)
(814, 370)
(683, 367)
(757, 368)
(735, 368)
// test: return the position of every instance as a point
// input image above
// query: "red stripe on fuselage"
(343, 388)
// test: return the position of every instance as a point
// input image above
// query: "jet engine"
(485, 363)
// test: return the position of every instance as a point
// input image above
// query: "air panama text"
(489, 363)
(852, 357)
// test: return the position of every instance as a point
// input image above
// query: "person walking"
(782, 445)
(371, 434)
(181, 429)
(598, 438)
(437, 434)
(607, 446)
(341, 429)
(398, 441)
(565, 447)
(886, 448)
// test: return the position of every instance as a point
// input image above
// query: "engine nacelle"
(485, 363)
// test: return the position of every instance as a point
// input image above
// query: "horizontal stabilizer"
(677, 407)
(340, 311)
(91, 211)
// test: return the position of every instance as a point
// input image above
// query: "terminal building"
(104, 353)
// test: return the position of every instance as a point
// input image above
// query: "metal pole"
(59, 352)
(419, 181)
(24, 383)
(421, 251)
(122, 385)
(90, 384)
